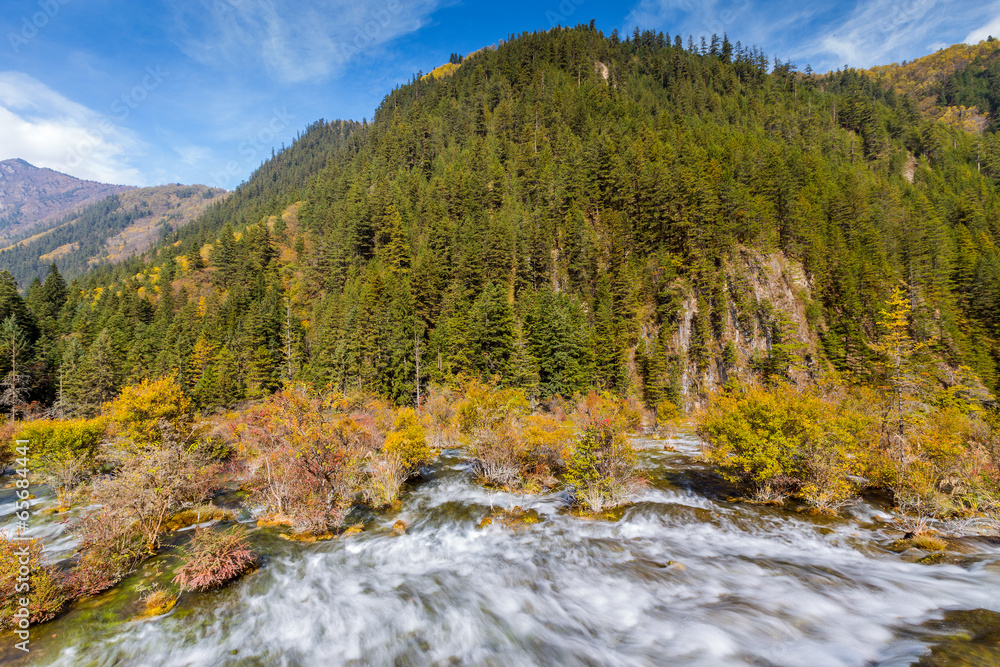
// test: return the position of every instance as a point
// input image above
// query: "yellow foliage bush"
(63, 452)
(408, 441)
(43, 587)
(547, 444)
(140, 408)
(487, 406)
(488, 418)
(783, 440)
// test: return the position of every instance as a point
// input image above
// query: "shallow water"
(682, 578)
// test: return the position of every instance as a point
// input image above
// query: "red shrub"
(214, 558)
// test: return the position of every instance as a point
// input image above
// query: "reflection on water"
(682, 578)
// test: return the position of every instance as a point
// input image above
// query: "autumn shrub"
(596, 407)
(384, 480)
(942, 465)
(7, 430)
(305, 462)
(148, 486)
(547, 445)
(485, 406)
(781, 441)
(439, 409)
(64, 453)
(214, 558)
(408, 441)
(602, 466)
(110, 546)
(23, 575)
(382, 412)
(488, 417)
(142, 411)
(668, 415)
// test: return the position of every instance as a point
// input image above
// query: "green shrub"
(602, 467)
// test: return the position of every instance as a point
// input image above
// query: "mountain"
(110, 230)
(568, 210)
(30, 196)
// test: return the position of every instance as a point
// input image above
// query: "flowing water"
(683, 577)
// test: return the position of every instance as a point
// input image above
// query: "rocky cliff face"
(30, 196)
(768, 323)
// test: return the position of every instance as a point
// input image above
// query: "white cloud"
(294, 41)
(979, 34)
(41, 126)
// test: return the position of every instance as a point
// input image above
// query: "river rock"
(515, 518)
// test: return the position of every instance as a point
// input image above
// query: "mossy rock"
(158, 604)
(610, 514)
(195, 516)
(352, 530)
(308, 538)
(935, 558)
(515, 518)
(274, 521)
(398, 528)
(923, 542)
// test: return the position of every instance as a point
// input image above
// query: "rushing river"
(683, 577)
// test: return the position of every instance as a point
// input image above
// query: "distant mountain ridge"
(31, 196)
(113, 229)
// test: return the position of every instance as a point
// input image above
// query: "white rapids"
(682, 578)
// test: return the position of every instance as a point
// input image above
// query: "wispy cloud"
(49, 130)
(883, 31)
(862, 34)
(753, 23)
(292, 41)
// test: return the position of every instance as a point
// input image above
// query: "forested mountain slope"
(567, 210)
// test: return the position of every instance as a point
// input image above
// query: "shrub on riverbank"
(826, 444)
(146, 488)
(488, 417)
(408, 441)
(785, 441)
(24, 576)
(214, 558)
(602, 466)
(63, 453)
(142, 412)
(305, 459)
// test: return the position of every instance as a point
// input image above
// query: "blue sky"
(201, 91)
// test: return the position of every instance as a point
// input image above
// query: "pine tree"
(14, 351)
(492, 333)
(100, 375)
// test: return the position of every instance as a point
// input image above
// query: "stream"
(683, 577)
